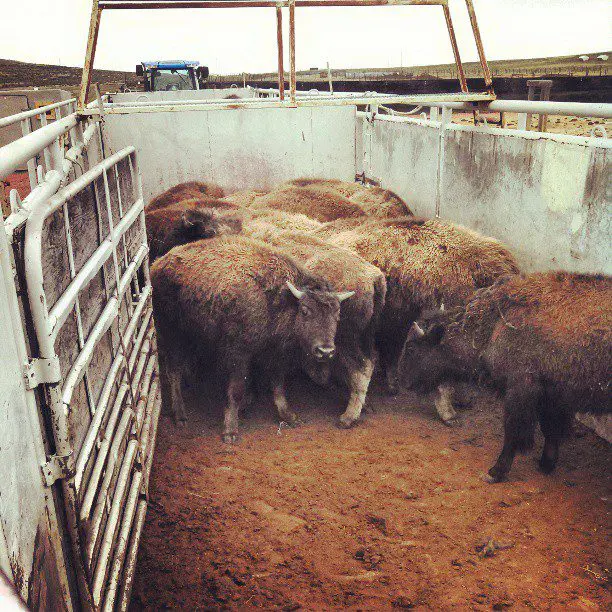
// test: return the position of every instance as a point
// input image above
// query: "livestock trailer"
(79, 385)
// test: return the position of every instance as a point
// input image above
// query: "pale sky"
(236, 40)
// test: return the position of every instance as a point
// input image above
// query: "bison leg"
(236, 394)
(359, 377)
(171, 377)
(280, 401)
(444, 403)
(520, 409)
(391, 349)
(555, 423)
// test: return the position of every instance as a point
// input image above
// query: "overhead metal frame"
(99, 5)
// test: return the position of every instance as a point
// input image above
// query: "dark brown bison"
(381, 203)
(185, 191)
(426, 263)
(544, 340)
(184, 222)
(314, 202)
(244, 306)
(359, 316)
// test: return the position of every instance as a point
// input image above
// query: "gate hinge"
(38, 371)
(57, 467)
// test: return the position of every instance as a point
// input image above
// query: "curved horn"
(442, 307)
(417, 330)
(296, 292)
(345, 295)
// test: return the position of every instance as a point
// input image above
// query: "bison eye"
(304, 310)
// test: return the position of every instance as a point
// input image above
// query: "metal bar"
(90, 53)
(122, 542)
(26, 128)
(446, 119)
(110, 533)
(11, 119)
(131, 4)
(279, 43)
(17, 153)
(453, 40)
(481, 53)
(292, 85)
(128, 572)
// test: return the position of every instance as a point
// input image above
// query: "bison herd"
(333, 277)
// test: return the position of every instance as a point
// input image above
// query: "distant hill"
(15, 74)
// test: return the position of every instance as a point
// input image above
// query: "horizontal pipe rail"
(17, 153)
(41, 110)
(182, 4)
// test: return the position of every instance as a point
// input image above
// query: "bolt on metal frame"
(99, 5)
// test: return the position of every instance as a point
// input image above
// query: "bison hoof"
(181, 422)
(454, 421)
(230, 438)
(291, 419)
(547, 466)
(393, 388)
(346, 422)
(496, 474)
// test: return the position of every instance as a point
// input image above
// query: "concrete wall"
(546, 196)
(236, 148)
(189, 94)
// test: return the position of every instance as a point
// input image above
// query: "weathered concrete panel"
(237, 148)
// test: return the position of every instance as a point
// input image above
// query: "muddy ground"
(391, 514)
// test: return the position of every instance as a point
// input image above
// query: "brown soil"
(392, 513)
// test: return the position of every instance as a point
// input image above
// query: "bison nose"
(324, 352)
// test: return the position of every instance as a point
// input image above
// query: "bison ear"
(345, 295)
(296, 292)
(435, 334)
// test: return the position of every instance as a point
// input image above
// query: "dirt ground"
(576, 126)
(390, 514)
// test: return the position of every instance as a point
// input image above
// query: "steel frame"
(99, 5)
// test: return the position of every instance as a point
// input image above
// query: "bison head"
(197, 223)
(316, 321)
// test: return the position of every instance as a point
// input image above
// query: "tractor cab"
(172, 75)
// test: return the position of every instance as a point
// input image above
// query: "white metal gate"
(80, 251)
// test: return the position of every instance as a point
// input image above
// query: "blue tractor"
(172, 75)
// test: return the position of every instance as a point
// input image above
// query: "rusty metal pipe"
(453, 39)
(481, 54)
(292, 86)
(90, 53)
(279, 42)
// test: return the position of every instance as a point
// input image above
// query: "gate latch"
(56, 468)
(38, 371)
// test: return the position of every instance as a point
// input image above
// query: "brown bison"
(244, 198)
(343, 187)
(244, 306)
(314, 202)
(426, 263)
(359, 316)
(284, 220)
(184, 222)
(185, 191)
(381, 203)
(545, 340)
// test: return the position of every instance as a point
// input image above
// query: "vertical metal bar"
(292, 86)
(46, 152)
(447, 114)
(481, 54)
(77, 307)
(90, 53)
(453, 39)
(26, 128)
(279, 42)
(329, 80)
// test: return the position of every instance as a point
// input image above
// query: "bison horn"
(296, 292)
(441, 306)
(418, 330)
(345, 295)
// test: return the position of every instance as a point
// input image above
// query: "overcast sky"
(235, 40)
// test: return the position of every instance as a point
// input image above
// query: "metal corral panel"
(237, 148)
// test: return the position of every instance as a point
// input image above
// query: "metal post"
(90, 53)
(453, 39)
(481, 54)
(329, 79)
(292, 51)
(279, 42)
